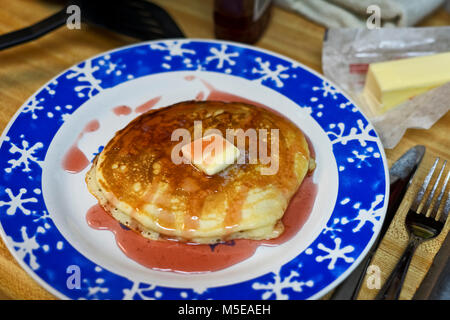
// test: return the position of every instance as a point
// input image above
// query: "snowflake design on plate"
(17, 202)
(360, 159)
(31, 234)
(142, 291)
(44, 218)
(335, 253)
(363, 133)
(346, 104)
(175, 49)
(372, 215)
(115, 67)
(222, 56)
(276, 75)
(327, 90)
(33, 106)
(26, 156)
(279, 283)
(25, 247)
(333, 227)
(50, 88)
(85, 74)
(95, 288)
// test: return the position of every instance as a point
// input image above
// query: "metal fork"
(421, 227)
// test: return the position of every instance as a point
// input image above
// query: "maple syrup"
(241, 20)
(177, 256)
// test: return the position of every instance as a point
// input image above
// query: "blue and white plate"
(43, 207)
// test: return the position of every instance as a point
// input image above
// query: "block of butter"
(392, 82)
(211, 154)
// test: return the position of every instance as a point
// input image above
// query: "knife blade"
(401, 175)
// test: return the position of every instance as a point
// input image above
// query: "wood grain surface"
(24, 69)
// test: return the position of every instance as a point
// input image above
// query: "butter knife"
(401, 175)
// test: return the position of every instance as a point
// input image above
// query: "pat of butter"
(390, 83)
(211, 154)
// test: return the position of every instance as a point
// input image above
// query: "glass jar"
(241, 20)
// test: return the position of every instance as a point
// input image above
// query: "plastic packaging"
(347, 54)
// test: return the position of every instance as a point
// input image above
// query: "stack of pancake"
(136, 180)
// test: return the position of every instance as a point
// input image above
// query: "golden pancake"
(136, 180)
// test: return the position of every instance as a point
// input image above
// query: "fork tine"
(446, 209)
(439, 200)
(424, 187)
(428, 204)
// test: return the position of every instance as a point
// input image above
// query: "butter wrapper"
(346, 56)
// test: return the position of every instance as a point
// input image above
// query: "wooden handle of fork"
(393, 285)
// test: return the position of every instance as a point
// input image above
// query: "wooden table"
(24, 69)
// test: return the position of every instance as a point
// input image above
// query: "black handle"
(33, 32)
(394, 284)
